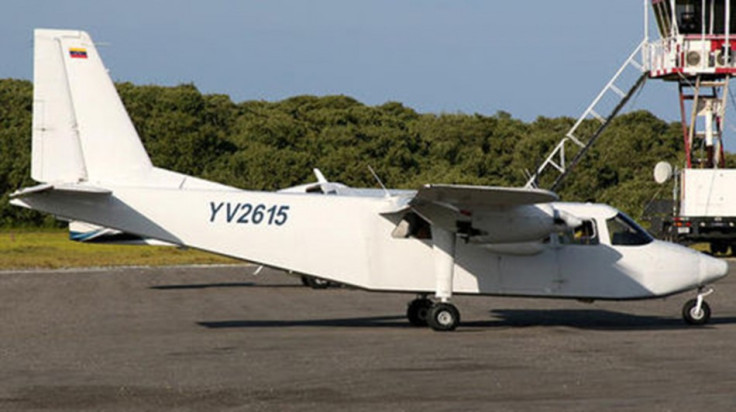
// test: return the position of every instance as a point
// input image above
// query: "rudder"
(81, 130)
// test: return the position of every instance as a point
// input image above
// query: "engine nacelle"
(528, 223)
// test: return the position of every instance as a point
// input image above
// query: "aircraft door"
(533, 275)
(585, 263)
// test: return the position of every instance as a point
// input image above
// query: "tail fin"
(81, 131)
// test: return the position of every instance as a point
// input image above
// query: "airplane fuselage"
(348, 239)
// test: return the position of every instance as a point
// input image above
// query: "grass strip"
(52, 249)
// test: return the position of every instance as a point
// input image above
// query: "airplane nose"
(712, 269)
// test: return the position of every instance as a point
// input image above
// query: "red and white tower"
(695, 49)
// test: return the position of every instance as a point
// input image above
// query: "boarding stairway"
(579, 141)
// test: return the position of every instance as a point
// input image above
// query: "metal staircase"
(580, 142)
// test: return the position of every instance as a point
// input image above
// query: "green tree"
(272, 145)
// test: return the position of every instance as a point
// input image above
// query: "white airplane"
(441, 239)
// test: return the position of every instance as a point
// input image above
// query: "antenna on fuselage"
(375, 176)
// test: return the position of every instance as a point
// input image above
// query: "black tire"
(443, 317)
(717, 248)
(418, 311)
(696, 318)
(315, 283)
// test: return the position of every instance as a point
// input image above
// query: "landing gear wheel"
(418, 311)
(692, 315)
(315, 283)
(443, 317)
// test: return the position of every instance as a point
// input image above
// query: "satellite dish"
(662, 172)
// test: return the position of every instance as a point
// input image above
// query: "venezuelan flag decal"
(77, 53)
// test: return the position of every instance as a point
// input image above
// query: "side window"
(412, 225)
(585, 234)
(625, 232)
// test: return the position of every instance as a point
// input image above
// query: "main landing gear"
(315, 282)
(441, 316)
(697, 311)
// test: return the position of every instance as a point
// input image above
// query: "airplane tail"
(81, 130)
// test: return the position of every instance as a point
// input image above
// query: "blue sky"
(530, 58)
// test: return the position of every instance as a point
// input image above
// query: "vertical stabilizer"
(81, 130)
(57, 155)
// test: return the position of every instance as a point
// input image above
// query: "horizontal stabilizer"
(89, 233)
(62, 187)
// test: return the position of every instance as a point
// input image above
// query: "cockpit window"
(625, 232)
(585, 234)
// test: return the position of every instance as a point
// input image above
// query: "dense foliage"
(265, 145)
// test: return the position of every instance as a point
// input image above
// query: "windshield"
(625, 232)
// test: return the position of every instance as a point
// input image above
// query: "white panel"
(709, 192)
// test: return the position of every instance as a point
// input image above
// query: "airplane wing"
(451, 207)
(464, 197)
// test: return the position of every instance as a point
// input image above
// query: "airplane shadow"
(601, 320)
(594, 319)
(367, 322)
(223, 285)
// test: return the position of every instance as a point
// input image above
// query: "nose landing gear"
(697, 311)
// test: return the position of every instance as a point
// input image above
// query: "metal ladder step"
(556, 159)
(712, 83)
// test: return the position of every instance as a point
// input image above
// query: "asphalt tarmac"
(221, 339)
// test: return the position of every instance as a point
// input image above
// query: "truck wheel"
(667, 233)
(718, 247)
